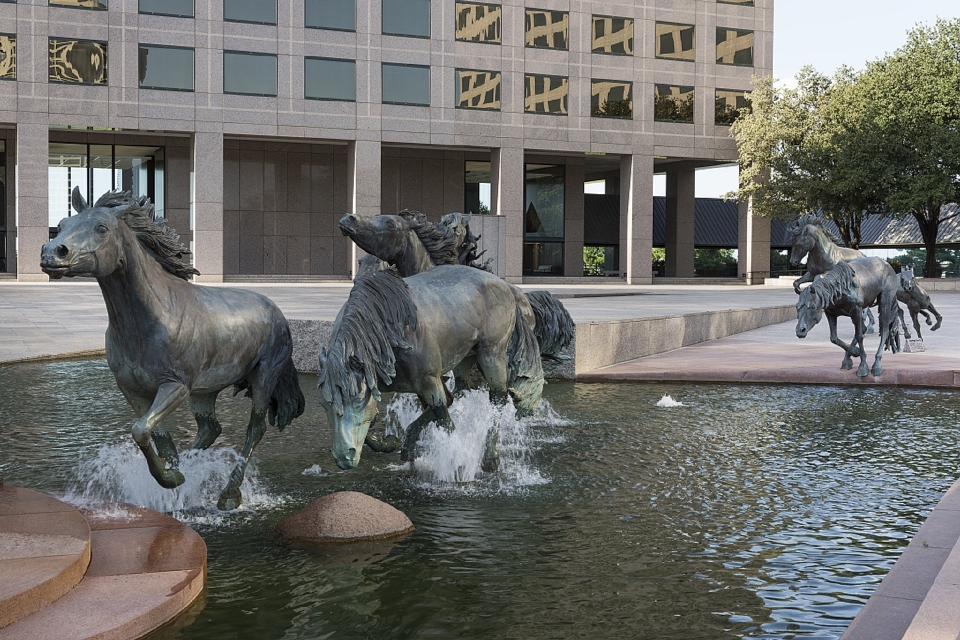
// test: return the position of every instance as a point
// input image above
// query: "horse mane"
(796, 227)
(439, 240)
(467, 243)
(370, 326)
(160, 241)
(833, 284)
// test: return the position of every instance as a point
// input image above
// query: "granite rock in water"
(344, 516)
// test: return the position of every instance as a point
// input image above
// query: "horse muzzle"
(802, 332)
(348, 223)
(348, 460)
(54, 260)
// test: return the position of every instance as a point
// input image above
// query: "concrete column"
(506, 196)
(680, 223)
(753, 246)
(364, 186)
(206, 205)
(636, 218)
(573, 218)
(32, 214)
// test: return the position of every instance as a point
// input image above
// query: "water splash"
(667, 401)
(454, 458)
(119, 473)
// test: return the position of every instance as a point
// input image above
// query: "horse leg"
(434, 396)
(806, 277)
(230, 497)
(858, 342)
(885, 323)
(868, 321)
(205, 413)
(461, 375)
(169, 396)
(495, 371)
(939, 318)
(847, 361)
(903, 323)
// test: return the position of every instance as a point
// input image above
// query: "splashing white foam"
(667, 401)
(454, 458)
(314, 470)
(119, 472)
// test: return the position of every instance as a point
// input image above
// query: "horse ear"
(79, 204)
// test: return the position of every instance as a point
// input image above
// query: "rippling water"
(746, 511)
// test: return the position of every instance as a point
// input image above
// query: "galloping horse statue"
(809, 237)
(846, 290)
(918, 302)
(412, 244)
(169, 340)
(403, 334)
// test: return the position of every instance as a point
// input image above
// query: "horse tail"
(524, 371)
(554, 327)
(286, 400)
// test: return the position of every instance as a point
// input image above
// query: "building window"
(164, 67)
(338, 15)
(545, 94)
(3, 205)
(730, 103)
(612, 35)
(611, 99)
(672, 103)
(405, 84)
(253, 11)
(601, 260)
(734, 46)
(81, 4)
(543, 219)
(745, 3)
(98, 168)
(406, 18)
(478, 89)
(78, 61)
(547, 29)
(176, 8)
(675, 41)
(476, 187)
(8, 56)
(252, 74)
(478, 22)
(330, 79)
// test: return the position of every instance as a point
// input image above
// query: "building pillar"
(206, 205)
(32, 214)
(753, 250)
(573, 204)
(506, 197)
(636, 218)
(680, 223)
(364, 186)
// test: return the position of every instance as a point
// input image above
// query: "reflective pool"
(749, 511)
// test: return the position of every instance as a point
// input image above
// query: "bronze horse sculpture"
(918, 302)
(169, 340)
(404, 334)
(846, 290)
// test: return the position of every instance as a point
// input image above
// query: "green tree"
(614, 109)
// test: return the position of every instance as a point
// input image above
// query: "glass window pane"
(406, 84)
(478, 22)
(544, 205)
(252, 74)
(256, 11)
(79, 61)
(675, 41)
(180, 8)
(611, 99)
(139, 170)
(328, 79)
(330, 14)
(547, 29)
(80, 4)
(729, 104)
(601, 260)
(476, 187)
(8, 56)
(406, 18)
(545, 94)
(101, 170)
(672, 103)
(612, 35)
(478, 89)
(746, 3)
(734, 46)
(543, 258)
(166, 68)
(67, 168)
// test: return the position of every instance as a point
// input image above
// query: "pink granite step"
(45, 548)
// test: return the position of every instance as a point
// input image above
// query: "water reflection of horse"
(168, 340)
(403, 335)
(917, 301)
(846, 290)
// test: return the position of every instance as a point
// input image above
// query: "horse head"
(349, 414)
(382, 235)
(906, 279)
(87, 244)
(809, 311)
(803, 241)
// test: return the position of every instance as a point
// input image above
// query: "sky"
(828, 34)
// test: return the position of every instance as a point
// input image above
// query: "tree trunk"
(929, 223)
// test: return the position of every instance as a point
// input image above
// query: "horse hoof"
(877, 370)
(228, 503)
(846, 366)
(491, 464)
(171, 479)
